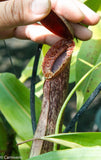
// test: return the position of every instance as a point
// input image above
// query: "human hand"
(18, 19)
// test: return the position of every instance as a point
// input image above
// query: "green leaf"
(75, 140)
(96, 30)
(90, 52)
(72, 68)
(15, 105)
(84, 153)
(44, 50)
(27, 72)
(70, 95)
(24, 149)
(73, 61)
(94, 5)
(39, 88)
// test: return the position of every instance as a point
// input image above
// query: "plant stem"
(56, 67)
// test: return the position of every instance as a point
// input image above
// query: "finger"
(40, 34)
(81, 32)
(36, 33)
(90, 17)
(68, 10)
(21, 12)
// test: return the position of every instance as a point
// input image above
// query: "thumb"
(22, 12)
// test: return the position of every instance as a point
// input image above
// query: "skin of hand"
(18, 18)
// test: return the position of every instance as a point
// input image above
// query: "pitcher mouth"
(57, 58)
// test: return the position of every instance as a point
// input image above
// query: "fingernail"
(40, 6)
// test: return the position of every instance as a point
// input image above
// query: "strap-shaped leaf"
(90, 52)
(75, 140)
(84, 153)
(15, 105)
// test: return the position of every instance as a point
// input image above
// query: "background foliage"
(15, 120)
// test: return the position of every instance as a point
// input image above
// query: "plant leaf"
(73, 61)
(74, 140)
(27, 72)
(84, 153)
(39, 88)
(24, 149)
(94, 5)
(14, 104)
(70, 95)
(44, 50)
(90, 52)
